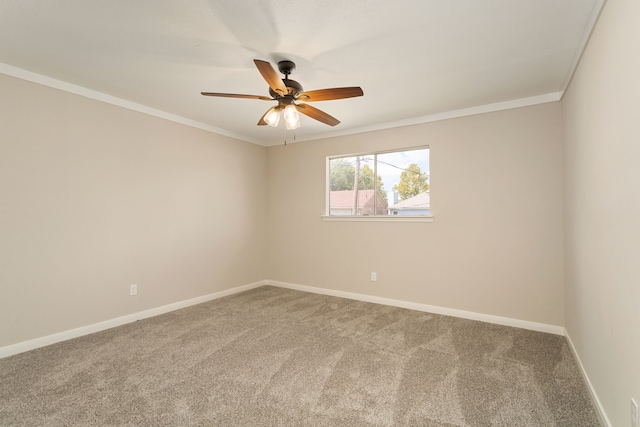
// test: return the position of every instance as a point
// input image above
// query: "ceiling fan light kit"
(287, 92)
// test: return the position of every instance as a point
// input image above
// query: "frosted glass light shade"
(294, 125)
(291, 116)
(272, 118)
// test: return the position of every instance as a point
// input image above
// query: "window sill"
(378, 218)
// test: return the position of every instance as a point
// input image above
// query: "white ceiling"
(416, 60)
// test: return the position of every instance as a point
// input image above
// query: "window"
(390, 184)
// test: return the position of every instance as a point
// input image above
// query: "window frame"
(372, 218)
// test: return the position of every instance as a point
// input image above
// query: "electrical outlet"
(133, 290)
(374, 276)
(634, 414)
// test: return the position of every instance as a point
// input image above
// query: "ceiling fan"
(288, 93)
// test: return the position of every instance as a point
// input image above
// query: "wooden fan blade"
(235, 95)
(329, 94)
(271, 77)
(319, 115)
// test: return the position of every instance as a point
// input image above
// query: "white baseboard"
(594, 396)
(107, 324)
(506, 321)
(118, 321)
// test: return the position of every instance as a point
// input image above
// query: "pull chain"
(285, 137)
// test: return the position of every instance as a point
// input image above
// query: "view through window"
(391, 183)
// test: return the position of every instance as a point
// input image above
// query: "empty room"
(320, 213)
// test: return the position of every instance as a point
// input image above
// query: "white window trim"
(378, 218)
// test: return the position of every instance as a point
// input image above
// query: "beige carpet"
(277, 357)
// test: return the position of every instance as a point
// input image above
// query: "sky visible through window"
(391, 165)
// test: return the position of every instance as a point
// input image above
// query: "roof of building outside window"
(344, 198)
(419, 201)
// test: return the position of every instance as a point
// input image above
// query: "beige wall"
(495, 246)
(601, 113)
(95, 198)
